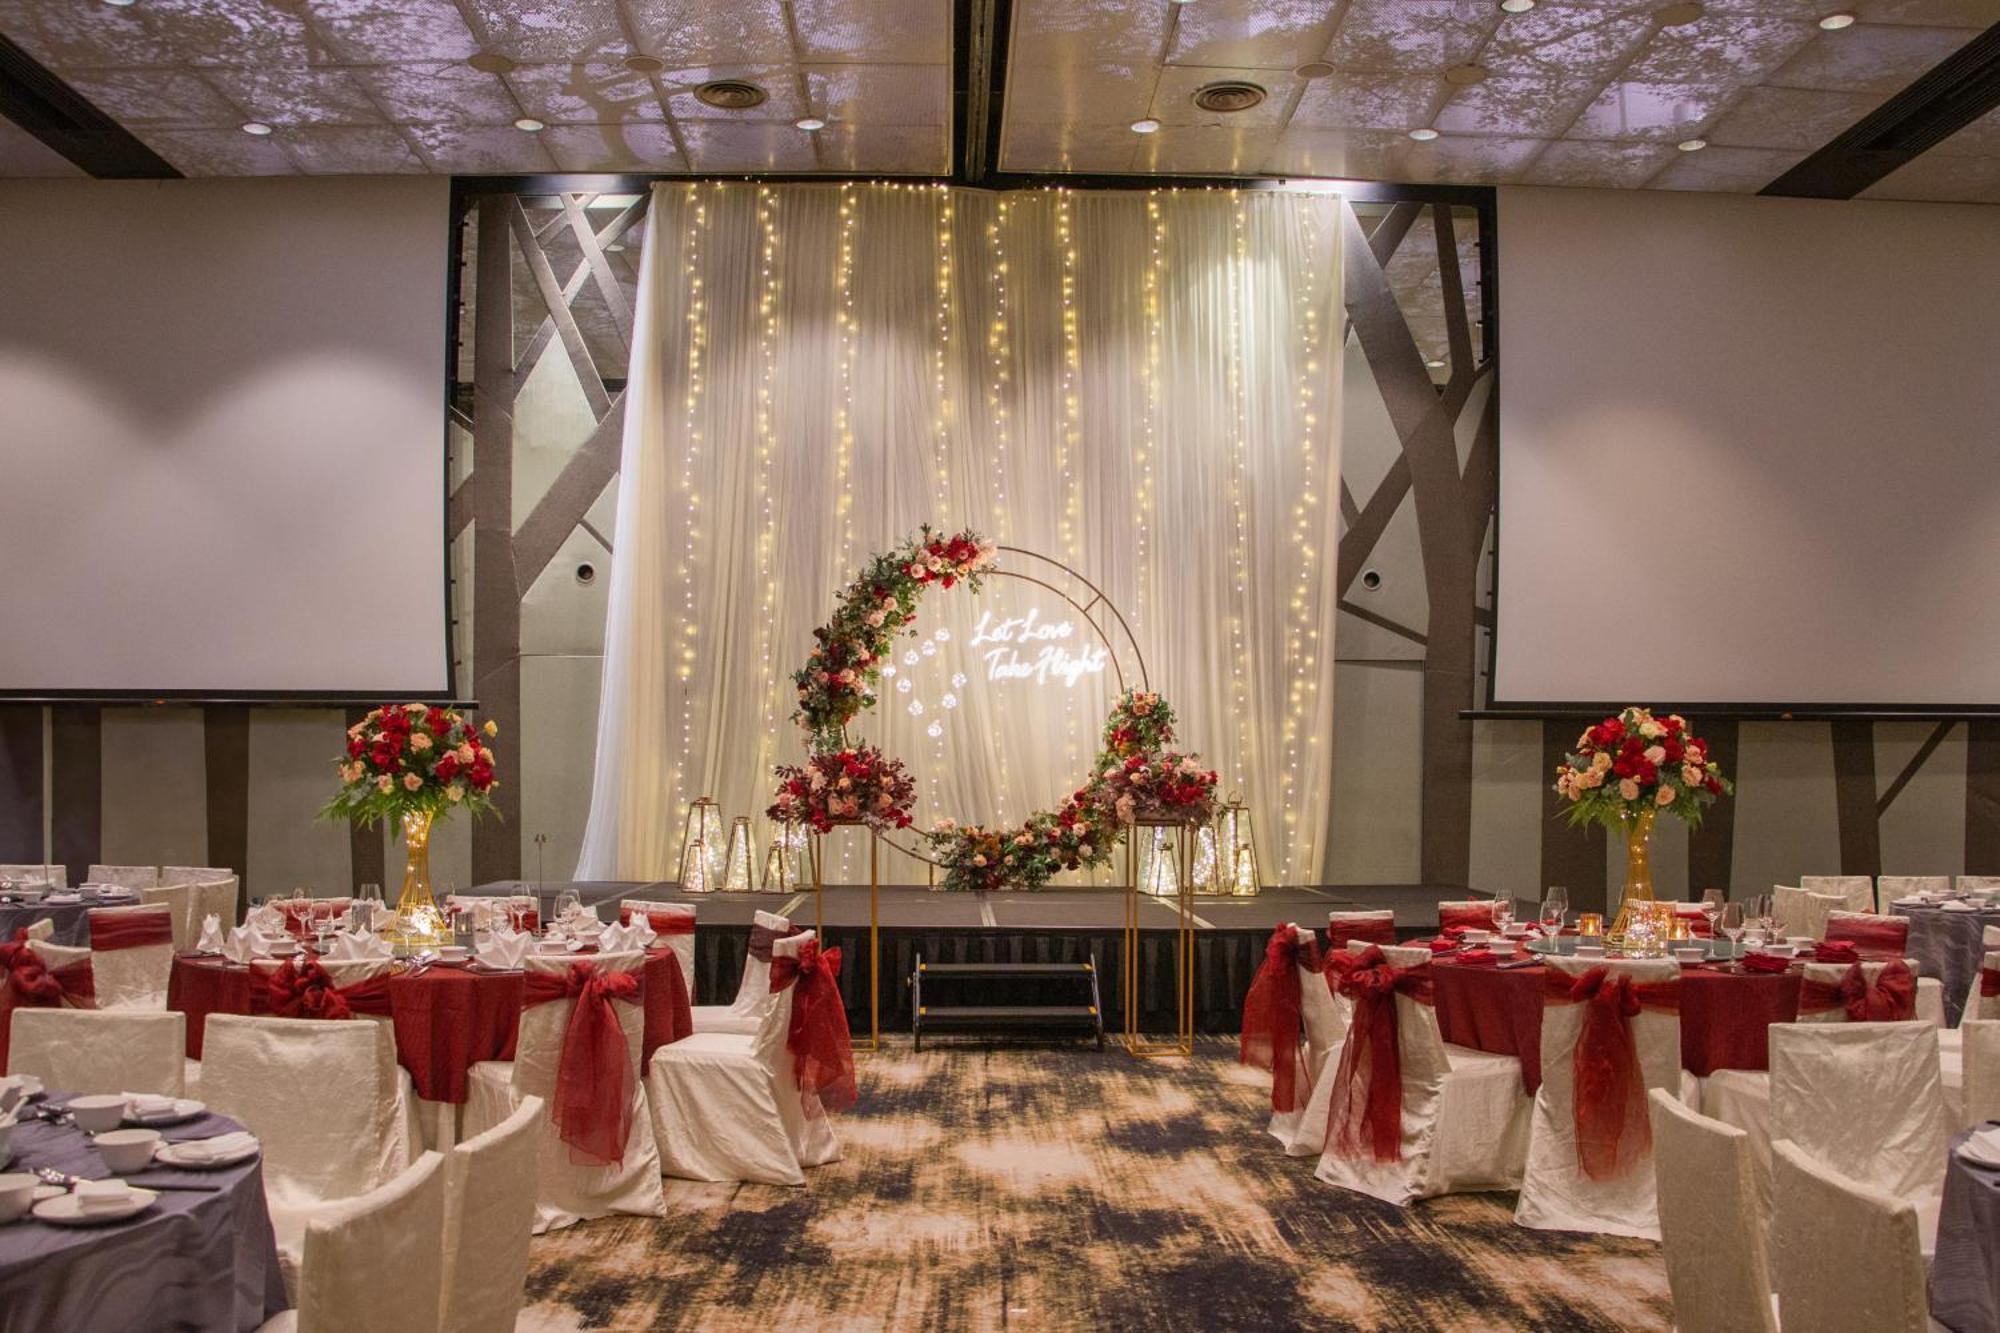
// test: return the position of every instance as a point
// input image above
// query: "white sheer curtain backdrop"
(1142, 385)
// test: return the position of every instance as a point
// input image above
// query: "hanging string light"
(999, 394)
(1302, 633)
(769, 287)
(694, 234)
(1241, 754)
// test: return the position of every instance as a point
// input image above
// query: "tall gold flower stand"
(816, 855)
(1182, 836)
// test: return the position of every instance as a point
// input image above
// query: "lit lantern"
(702, 841)
(737, 857)
(784, 860)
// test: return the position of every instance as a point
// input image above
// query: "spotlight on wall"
(1423, 134)
(256, 127)
(1146, 126)
(1371, 579)
(586, 573)
(1835, 22)
(529, 125)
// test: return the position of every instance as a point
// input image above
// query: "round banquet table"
(1965, 1275)
(71, 920)
(204, 1261)
(1949, 944)
(1725, 1014)
(447, 1018)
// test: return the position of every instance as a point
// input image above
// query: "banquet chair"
(90, 1051)
(132, 955)
(179, 901)
(1845, 1254)
(728, 1107)
(219, 898)
(1789, 905)
(674, 923)
(55, 876)
(315, 1093)
(125, 877)
(745, 1013)
(1888, 888)
(1979, 1086)
(1698, 922)
(1464, 1119)
(1966, 883)
(568, 1187)
(1866, 1099)
(407, 1139)
(1558, 1191)
(370, 1262)
(1857, 890)
(1832, 975)
(1711, 1235)
(1474, 912)
(1324, 1018)
(69, 967)
(489, 1209)
(1872, 936)
(1819, 906)
(1376, 927)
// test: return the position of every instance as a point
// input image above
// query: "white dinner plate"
(184, 1110)
(1983, 1148)
(168, 1154)
(63, 1211)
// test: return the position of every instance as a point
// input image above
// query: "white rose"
(1628, 789)
(456, 793)
(1600, 761)
(1666, 795)
(1656, 754)
(1650, 729)
(947, 825)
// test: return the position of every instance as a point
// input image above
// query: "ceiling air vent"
(1229, 95)
(731, 94)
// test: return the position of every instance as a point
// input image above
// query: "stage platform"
(1048, 926)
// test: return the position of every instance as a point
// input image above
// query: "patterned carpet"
(1035, 1188)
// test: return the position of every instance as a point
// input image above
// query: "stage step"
(1049, 1011)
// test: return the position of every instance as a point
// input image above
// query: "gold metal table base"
(1183, 849)
(818, 858)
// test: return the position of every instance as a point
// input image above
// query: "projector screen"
(222, 437)
(1747, 452)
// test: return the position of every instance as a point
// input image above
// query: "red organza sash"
(1874, 937)
(309, 991)
(1374, 929)
(28, 983)
(1274, 1018)
(1609, 1100)
(1891, 997)
(822, 1053)
(595, 1079)
(1366, 1118)
(665, 923)
(130, 928)
(1989, 982)
(1478, 916)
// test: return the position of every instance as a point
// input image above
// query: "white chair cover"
(567, 1192)
(196, 874)
(1325, 1020)
(94, 1051)
(1465, 1116)
(675, 922)
(371, 1262)
(745, 1014)
(180, 900)
(727, 1106)
(1830, 974)
(406, 1136)
(1856, 892)
(1966, 883)
(217, 898)
(1789, 906)
(128, 877)
(56, 876)
(1476, 912)
(1556, 1194)
(489, 1212)
(1821, 906)
(1845, 1254)
(133, 978)
(1711, 1234)
(1980, 1056)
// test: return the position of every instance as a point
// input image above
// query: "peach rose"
(1666, 795)
(411, 782)
(1629, 789)
(1655, 755)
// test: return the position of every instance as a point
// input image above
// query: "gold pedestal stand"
(1183, 851)
(817, 856)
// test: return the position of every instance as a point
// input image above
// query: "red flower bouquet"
(858, 785)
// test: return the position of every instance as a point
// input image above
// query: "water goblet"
(1503, 913)
(1733, 926)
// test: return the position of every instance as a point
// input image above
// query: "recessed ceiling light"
(645, 64)
(1679, 16)
(256, 127)
(119, 4)
(1835, 22)
(1183, 2)
(1435, 363)
(1314, 69)
(530, 125)
(1464, 76)
(1146, 126)
(1423, 134)
(810, 123)
(1692, 145)
(491, 62)
(1517, 6)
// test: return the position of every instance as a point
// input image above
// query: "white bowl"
(127, 1150)
(1780, 950)
(1690, 953)
(1475, 936)
(454, 953)
(97, 1113)
(17, 1194)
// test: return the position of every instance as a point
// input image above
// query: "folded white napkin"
(211, 935)
(62, 898)
(43, 930)
(245, 943)
(624, 939)
(215, 1149)
(269, 919)
(148, 1105)
(505, 948)
(1983, 1147)
(357, 946)
(1957, 905)
(100, 1196)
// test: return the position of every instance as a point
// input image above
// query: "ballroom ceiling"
(1567, 92)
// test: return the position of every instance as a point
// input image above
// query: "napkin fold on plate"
(358, 946)
(621, 939)
(148, 1105)
(102, 1196)
(640, 930)
(1950, 905)
(1836, 951)
(245, 943)
(211, 935)
(505, 949)
(220, 1148)
(1477, 957)
(269, 919)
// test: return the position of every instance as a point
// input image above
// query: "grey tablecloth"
(1947, 943)
(191, 1262)
(71, 922)
(1965, 1276)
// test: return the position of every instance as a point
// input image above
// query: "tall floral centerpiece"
(414, 763)
(1628, 770)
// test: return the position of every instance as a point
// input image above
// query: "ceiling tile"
(1540, 105)
(1366, 101)
(79, 36)
(734, 145)
(1801, 118)
(585, 94)
(1657, 111)
(628, 146)
(1869, 57)
(220, 153)
(881, 94)
(1720, 48)
(1743, 170)
(1059, 147)
(784, 100)
(693, 32)
(899, 32)
(1085, 32)
(349, 150)
(381, 32)
(167, 98)
(1570, 42)
(1469, 158)
(894, 149)
(569, 30)
(1102, 95)
(296, 95)
(1935, 177)
(1207, 150)
(439, 93)
(1251, 34)
(1411, 36)
(1597, 163)
(1173, 96)
(22, 154)
(481, 150)
(1359, 154)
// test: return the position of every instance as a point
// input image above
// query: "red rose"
(447, 766)
(356, 747)
(438, 721)
(948, 580)
(1713, 785)
(480, 775)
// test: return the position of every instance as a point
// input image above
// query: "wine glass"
(1711, 907)
(521, 912)
(1733, 926)
(1503, 913)
(568, 904)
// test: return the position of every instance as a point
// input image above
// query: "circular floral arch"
(1134, 777)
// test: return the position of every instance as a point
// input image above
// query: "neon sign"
(1032, 649)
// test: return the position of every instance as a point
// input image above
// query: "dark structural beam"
(53, 112)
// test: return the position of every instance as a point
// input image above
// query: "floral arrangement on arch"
(413, 758)
(844, 786)
(1633, 763)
